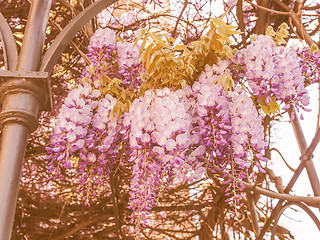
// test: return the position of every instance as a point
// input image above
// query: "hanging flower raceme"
(158, 126)
(84, 137)
(85, 134)
(116, 59)
(130, 68)
(228, 124)
(272, 72)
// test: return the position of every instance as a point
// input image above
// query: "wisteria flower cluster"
(272, 71)
(228, 124)
(170, 136)
(86, 132)
(85, 135)
(159, 128)
(116, 58)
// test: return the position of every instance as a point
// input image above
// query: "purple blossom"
(273, 71)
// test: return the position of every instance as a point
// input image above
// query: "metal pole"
(34, 37)
(9, 44)
(10, 168)
(20, 108)
(66, 35)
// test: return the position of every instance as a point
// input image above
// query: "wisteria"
(86, 132)
(114, 59)
(228, 124)
(159, 125)
(309, 64)
(173, 135)
(272, 72)
(85, 136)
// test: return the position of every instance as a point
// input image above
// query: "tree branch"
(79, 226)
(174, 32)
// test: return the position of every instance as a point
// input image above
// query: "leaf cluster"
(280, 35)
(172, 65)
(270, 108)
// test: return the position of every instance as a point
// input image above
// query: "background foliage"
(50, 209)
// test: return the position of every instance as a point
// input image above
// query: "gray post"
(19, 114)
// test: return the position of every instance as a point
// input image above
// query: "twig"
(179, 18)
(82, 54)
(79, 226)
(296, 20)
(253, 212)
(311, 201)
(311, 8)
(275, 149)
(318, 116)
(276, 179)
(268, 9)
(115, 204)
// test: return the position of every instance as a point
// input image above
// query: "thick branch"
(262, 17)
(311, 201)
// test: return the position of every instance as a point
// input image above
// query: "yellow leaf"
(170, 39)
(225, 13)
(116, 81)
(147, 55)
(154, 64)
(105, 80)
(270, 32)
(265, 109)
(180, 63)
(273, 106)
(283, 26)
(157, 37)
(262, 103)
(314, 47)
(229, 81)
(91, 68)
(217, 46)
(219, 22)
(180, 47)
